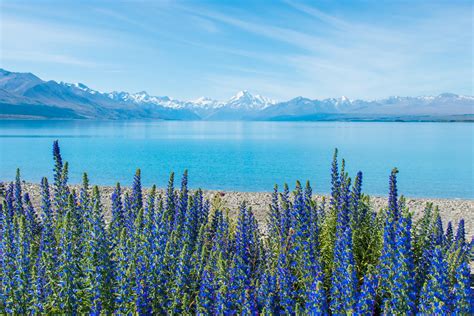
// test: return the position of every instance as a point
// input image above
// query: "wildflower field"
(177, 253)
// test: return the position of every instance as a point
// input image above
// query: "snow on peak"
(79, 86)
(244, 99)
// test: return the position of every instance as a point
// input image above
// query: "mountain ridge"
(23, 94)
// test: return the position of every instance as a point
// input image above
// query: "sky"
(279, 49)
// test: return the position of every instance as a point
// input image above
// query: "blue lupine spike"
(10, 201)
(449, 235)
(128, 213)
(272, 300)
(367, 297)
(389, 250)
(275, 216)
(299, 215)
(249, 307)
(61, 191)
(286, 282)
(118, 217)
(58, 162)
(8, 275)
(137, 195)
(322, 208)
(344, 279)
(356, 195)
(207, 295)
(143, 301)
(434, 297)
(184, 192)
(439, 238)
(170, 196)
(46, 202)
(393, 196)
(403, 291)
(463, 301)
(316, 302)
(308, 197)
(461, 234)
(68, 264)
(31, 217)
(243, 249)
(60, 178)
(344, 215)
(285, 212)
(335, 184)
(182, 202)
(18, 201)
(150, 204)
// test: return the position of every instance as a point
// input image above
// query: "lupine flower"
(286, 281)
(174, 254)
(18, 201)
(393, 209)
(356, 194)
(137, 195)
(366, 298)
(461, 234)
(316, 303)
(434, 298)
(334, 181)
(402, 295)
(449, 235)
(344, 279)
(207, 295)
(118, 217)
(463, 301)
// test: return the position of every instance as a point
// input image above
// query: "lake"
(434, 159)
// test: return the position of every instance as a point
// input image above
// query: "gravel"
(450, 209)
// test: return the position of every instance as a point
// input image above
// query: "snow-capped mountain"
(245, 100)
(26, 95)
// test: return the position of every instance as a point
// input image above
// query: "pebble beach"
(450, 209)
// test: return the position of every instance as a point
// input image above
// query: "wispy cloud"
(359, 49)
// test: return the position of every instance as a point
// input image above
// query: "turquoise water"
(434, 159)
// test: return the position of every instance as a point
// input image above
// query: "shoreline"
(450, 209)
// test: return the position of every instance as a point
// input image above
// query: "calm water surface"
(434, 159)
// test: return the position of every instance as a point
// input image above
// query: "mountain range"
(24, 95)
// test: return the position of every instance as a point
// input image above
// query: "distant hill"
(25, 95)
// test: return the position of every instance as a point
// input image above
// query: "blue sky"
(281, 50)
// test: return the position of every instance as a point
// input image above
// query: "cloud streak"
(189, 49)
